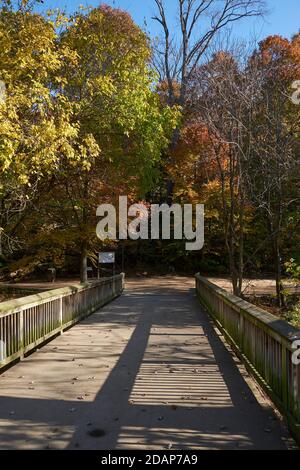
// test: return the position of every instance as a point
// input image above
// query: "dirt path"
(146, 372)
(256, 287)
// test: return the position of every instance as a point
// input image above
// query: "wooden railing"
(265, 344)
(29, 321)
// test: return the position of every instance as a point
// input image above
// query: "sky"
(283, 17)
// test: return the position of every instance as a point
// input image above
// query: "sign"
(107, 258)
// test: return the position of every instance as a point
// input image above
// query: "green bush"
(293, 269)
(293, 316)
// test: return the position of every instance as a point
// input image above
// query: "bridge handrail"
(263, 342)
(29, 321)
(12, 306)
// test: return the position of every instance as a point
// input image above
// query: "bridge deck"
(147, 371)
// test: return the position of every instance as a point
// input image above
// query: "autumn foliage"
(85, 119)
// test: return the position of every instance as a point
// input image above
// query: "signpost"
(107, 258)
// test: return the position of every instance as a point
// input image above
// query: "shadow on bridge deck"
(148, 371)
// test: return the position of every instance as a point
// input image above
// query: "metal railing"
(264, 342)
(29, 321)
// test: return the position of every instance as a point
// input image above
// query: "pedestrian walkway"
(148, 371)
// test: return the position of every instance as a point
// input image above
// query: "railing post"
(21, 332)
(2, 350)
(61, 315)
(241, 331)
(284, 375)
(295, 389)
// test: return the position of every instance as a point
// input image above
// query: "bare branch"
(200, 23)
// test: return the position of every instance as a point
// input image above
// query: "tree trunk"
(277, 265)
(84, 244)
(83, 263)
(241, 234)
(233, 271)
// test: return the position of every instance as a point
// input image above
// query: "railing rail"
(265, 344)
(29, 321)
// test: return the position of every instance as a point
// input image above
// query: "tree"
(250, 137)
(221, 96)
(274, 170)
(35, 128)
(201, 21)
(118, 116)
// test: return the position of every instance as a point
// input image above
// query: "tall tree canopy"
(82, 121)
